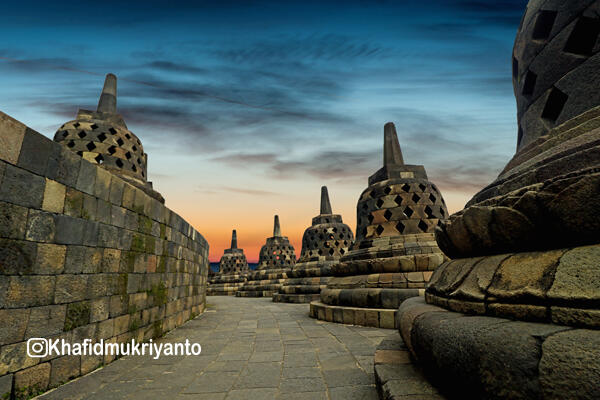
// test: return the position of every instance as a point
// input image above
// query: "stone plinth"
(276, 260)
(395, 250)
(323, 244)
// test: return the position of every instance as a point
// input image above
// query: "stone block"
(71, 288)
(102, 189)
(97, 285)
(110, 260)
(117, 187)
(372, 318)
(78, 314)
(31, 381)
(577, 277)
(108, 236)
(64, 369)
(90, 363)
(50, 259)
(11, 138)
(13, 221)
(6, 386)
(14, 325)
(475, 285)
(40, 227)
(46, 321)
(69, 230)
(128, 196)
(525, 275)
(29, 291)
(75, 259)
(22, 188)
(73, 203)
(63, 166)
(35, 152)
(118, 216)
(54, 196)
(91, 233)
(92, 262)
(100, 309)
(17, 258)
(86, 180)
(103, 211)
(119, 305)
(387, 319)
(570, 365)
(90, 205)
(105, 328)
(121, 324)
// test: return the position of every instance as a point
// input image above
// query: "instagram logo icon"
(37, 347)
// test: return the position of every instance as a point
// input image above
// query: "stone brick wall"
(83, 254)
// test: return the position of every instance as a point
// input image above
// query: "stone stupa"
(233, 269)
(394, 253)
(276, 260)
(102, 137)
(323, 244)
(516, 314)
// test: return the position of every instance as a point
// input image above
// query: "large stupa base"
(374, 317)
(558, 286)
(225, 285)
(306, 282)
(263, 283)
(484, 357)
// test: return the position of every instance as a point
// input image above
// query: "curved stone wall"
(84, 254)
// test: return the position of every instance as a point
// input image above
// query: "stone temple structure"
(233, 269)
(102, 137)
(275, 261)
(323, 244)
(526, 248)
(395, 250)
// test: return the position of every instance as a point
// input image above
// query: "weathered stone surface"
(32, 380)
(6, 386)
(13, 221)
(570, 365)
(11, 142)
(22, 187)
(14, 324)
(46, 321)
(29, 291)
(54, 196)
(578, 275)
(525, 275)
(64, 369)
(50, 259)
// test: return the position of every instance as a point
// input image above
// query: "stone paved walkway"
(251, 349)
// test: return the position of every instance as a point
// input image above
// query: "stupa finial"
(108, 98)
(392, 155)
(234, 239)
(325, 204)
(276, 227)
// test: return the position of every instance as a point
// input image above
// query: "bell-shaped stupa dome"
(277, 252)
(233, 260)
(102, 137)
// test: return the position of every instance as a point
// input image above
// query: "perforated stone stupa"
(276, 260)
(102, 137)
(323, 244)
(395, 251)
(233, 269)
(526, 247)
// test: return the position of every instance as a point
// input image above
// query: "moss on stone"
(163, 231)
(162, 264)
(145, 224)
(78, 314)
(150, 245)
(157, 329)
(138, 242)
(159, 294)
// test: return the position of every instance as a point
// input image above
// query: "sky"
(246, 108)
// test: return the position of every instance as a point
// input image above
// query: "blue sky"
(246, 108)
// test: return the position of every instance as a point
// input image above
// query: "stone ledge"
(506, 359)
(374, 317)
(397, 377)
(295, 298)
